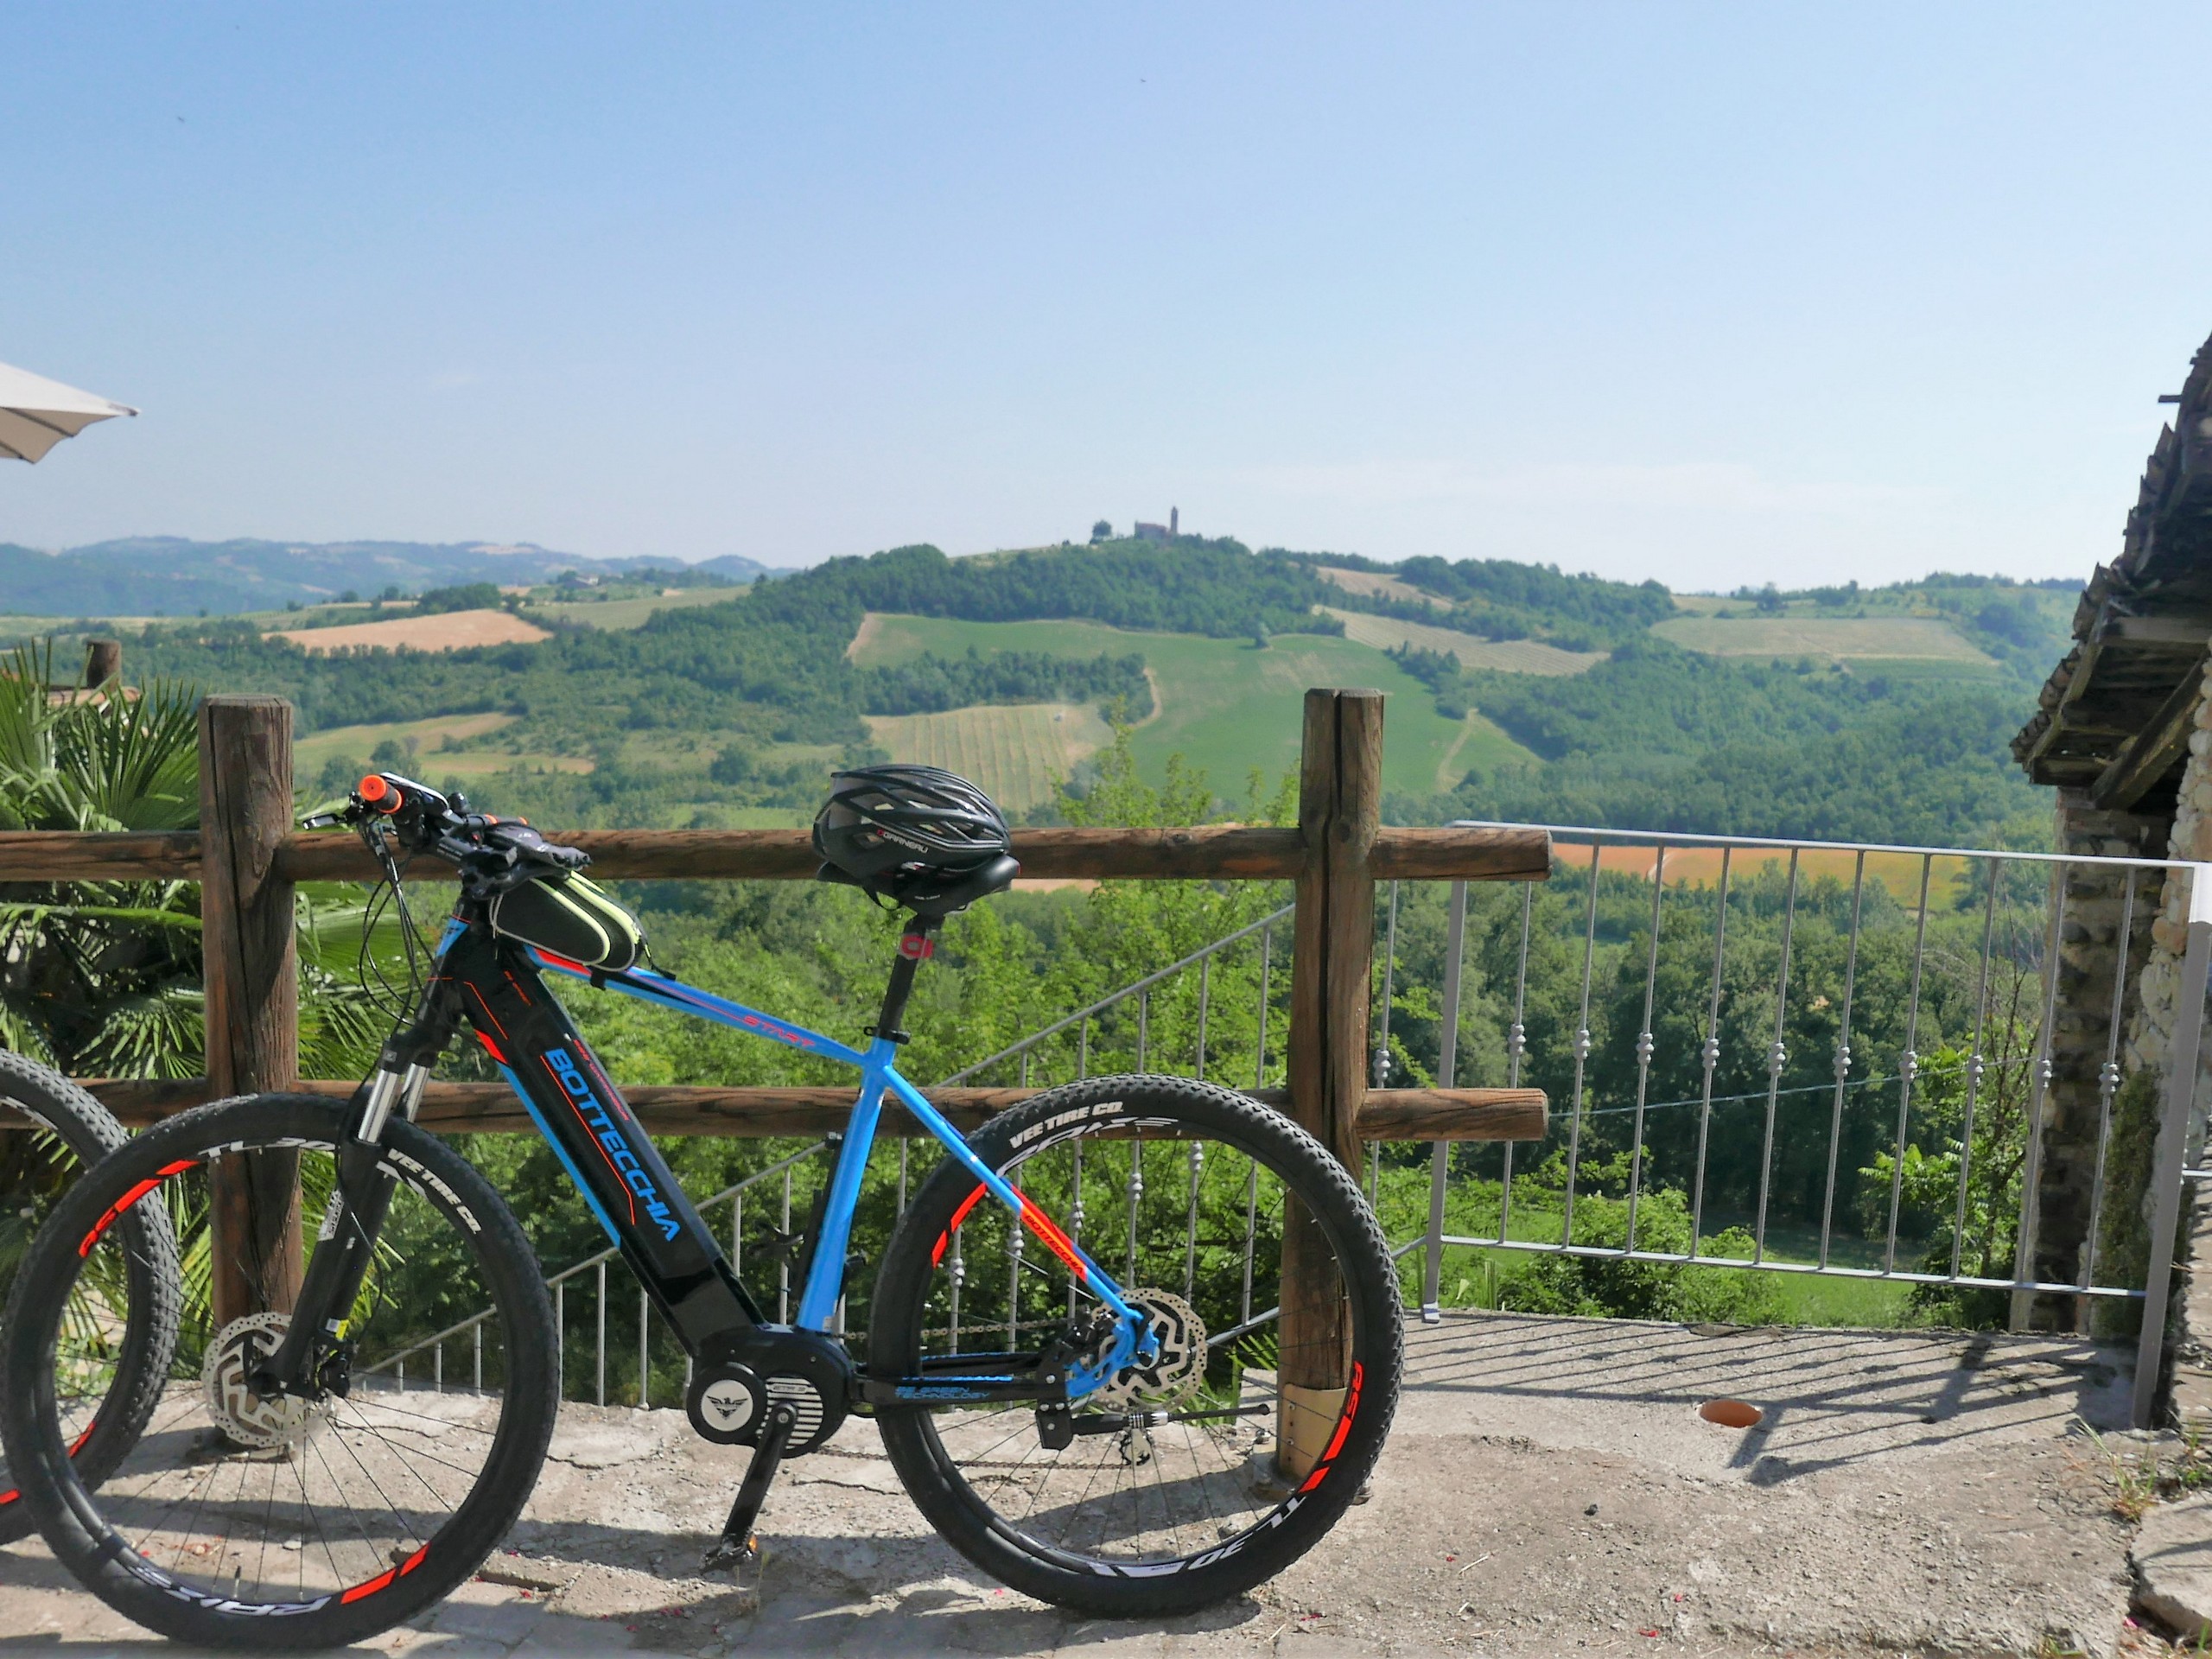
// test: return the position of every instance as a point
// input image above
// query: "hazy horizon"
(494, 547)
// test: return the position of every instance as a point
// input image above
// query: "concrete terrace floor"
(1548, 1488)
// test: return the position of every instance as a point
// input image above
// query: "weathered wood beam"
(66, 855)
(2152, 752)
(250, 944)
(1510, 853)
(1206, 852)
(1211, 852)
(2195, 629)
(1450, 1114)
(467, 1107)
(2077, 682)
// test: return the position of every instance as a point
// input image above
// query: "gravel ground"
(1550, 1488)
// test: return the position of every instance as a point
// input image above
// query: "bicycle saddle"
(928, 891)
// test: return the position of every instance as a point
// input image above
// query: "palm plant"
(102, 978)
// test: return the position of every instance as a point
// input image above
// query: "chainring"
(246, 1418)
(1179, 1368)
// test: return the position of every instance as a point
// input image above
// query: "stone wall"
(2151, 1031)
(2076, 1104)
(2149, 1038)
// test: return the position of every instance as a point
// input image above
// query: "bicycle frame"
(497, 987)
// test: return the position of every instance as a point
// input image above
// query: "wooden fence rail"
(1210, 853)
(468, 1108)
(250, 860)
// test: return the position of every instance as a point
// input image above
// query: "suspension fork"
(346, 1243)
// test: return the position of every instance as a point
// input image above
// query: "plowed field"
(1015, 753)
(449, 632)
(1507, 656)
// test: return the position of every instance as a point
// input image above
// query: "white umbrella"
(36, 413)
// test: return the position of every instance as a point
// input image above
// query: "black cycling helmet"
(880, 820)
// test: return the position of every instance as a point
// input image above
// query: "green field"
(621, 613)
(1225, 706)
(1506, 656)
(1847, 638)
(1017, 751)
(431, 738)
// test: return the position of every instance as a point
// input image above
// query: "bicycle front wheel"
(57, 1132)
(1267, 1281)
(245, 1520)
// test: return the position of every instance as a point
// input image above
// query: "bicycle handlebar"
(493, 852)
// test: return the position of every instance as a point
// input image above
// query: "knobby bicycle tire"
(89, 1131)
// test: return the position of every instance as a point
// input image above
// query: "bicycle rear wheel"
(1233, 1454)
(245, 1521)
(57, 1132)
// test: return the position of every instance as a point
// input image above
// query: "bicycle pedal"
(727, 1555)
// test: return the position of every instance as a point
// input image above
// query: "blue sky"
(1716, 294)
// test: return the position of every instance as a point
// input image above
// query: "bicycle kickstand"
(738, 1546)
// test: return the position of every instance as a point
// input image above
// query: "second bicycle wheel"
(1231, 1455)
(243, 1521)
(55, 1132)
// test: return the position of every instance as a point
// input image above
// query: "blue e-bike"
(1132, 1346)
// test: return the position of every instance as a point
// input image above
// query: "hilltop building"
(1166, 532)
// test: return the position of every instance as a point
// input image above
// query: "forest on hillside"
(751, 700)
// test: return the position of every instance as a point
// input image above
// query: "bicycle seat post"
(916, 943)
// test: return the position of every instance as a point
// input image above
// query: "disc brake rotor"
(1178, 1367)
(249, 1419)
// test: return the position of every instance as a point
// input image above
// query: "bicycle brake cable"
(390, 894)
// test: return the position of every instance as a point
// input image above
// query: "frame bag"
(572, 917)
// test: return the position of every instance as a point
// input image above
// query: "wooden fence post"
(252, 973)
(102, 662)
(1339, 811)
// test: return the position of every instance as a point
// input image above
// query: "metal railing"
(1716, 971)
(1082, 1021)
(1917, 982)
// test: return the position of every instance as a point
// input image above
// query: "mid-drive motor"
(725, 1403)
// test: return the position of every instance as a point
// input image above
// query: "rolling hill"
(1516, 690)
(170, 576)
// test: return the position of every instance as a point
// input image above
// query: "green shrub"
(1618, 1287)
